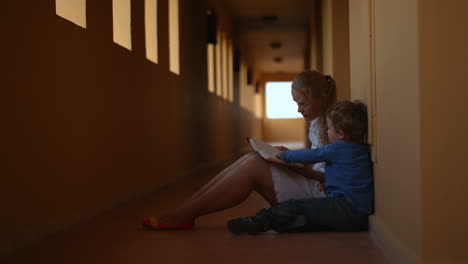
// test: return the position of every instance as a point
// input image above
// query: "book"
(269, 153)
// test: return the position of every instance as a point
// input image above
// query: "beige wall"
(335, 44)
(397, 219)
(87, 124)
(443, 70)
(397, 172)
(315, 37)
(359, 46)
(284, 129)
(327, 36)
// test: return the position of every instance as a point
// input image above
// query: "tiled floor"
(117, 237)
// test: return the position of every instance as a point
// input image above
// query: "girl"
(314, 93)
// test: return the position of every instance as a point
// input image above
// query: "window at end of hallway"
(72, 10)
(121, 15)
(174, 62)
(279, 102)
(151, 30)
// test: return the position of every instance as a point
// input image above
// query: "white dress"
(291, 185)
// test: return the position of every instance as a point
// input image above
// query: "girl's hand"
(314, 175)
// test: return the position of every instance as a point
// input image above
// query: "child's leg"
(313, 214)
(280, 217)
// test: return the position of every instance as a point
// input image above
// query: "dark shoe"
(250, 225)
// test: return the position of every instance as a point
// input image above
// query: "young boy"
(349, 182)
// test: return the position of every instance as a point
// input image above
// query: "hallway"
(117, 237)
(102, 102)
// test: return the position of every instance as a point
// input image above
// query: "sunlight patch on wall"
(151, 30)
(224, 65)
(219, 90)
(72, 10)
(258, 106)
(210, 65)
(242, 84)
(174, 61)
(230, 72)
(121, 15)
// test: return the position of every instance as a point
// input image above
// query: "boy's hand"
(282, 148)
(321, 186)
(296, 169)
(278, 156)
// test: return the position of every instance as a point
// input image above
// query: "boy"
(349, 182)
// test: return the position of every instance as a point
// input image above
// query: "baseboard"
(394, 251)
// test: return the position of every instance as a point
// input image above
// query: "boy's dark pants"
(314, 214)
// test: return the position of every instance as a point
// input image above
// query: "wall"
(88, 124)
(327, 36)
(284, 129)
(443, 94)
(335, 44)
(359, 45)
(396, 224)
(315, 37)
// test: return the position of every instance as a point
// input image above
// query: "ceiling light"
(278, 59)
(276, 45)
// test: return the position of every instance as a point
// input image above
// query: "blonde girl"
(314, 93)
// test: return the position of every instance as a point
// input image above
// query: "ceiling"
(255, 34)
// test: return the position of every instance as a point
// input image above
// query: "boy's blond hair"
(351, 118)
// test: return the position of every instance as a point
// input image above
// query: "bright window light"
(279, 102)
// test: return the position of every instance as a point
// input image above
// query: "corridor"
(117, 237)
(113, 110)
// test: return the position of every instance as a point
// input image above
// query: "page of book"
(269, 152)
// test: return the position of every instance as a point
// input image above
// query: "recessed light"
(276, 45)
(278, 59)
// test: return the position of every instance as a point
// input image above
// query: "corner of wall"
(392, 248)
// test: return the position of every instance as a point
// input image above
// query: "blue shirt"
(348, 170)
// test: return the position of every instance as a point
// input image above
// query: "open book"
(269, 153)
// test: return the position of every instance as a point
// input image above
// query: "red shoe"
(156, 225)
